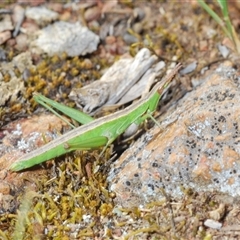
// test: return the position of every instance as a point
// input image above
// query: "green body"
(97, 133)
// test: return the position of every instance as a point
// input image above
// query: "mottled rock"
(23, 136)
(199, 147)
(17, 138)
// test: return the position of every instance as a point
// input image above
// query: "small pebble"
(2, 55)
(129, 39)
(22, 42)
(223, 50)
(5, 23)
(137, 27)
(138, 13)
(4, 36)
(189, 68)
(212, 224)
(41, 15)
(92, 14)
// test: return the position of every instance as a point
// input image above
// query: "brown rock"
(92, 14)
(4, 36)
(22, 42)
(30, 26)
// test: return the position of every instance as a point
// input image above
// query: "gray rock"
(71, 38)
(41, 15)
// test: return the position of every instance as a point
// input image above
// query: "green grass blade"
(224, 8)
(234, 36)
(215, 17)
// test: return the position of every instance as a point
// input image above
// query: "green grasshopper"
(97, 133)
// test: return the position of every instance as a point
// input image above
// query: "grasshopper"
(100, 132)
